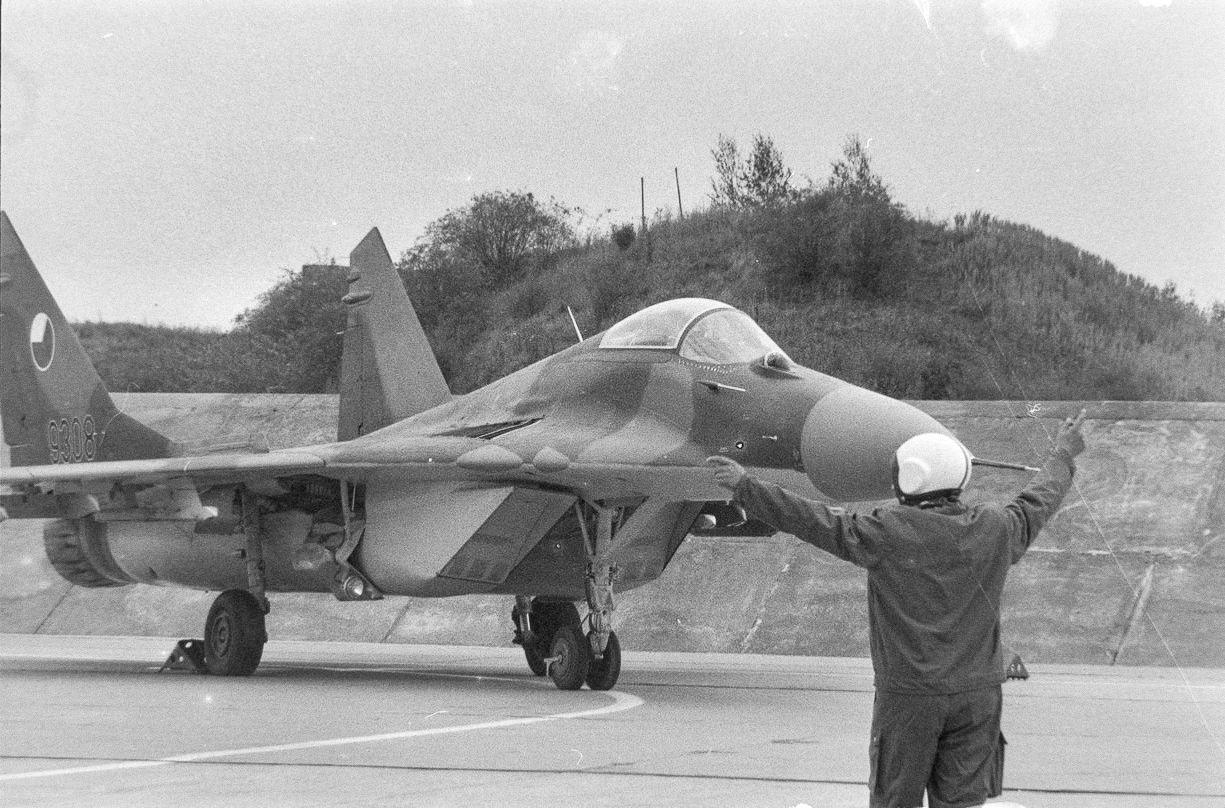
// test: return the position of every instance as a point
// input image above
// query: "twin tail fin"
(388, 371)
(54, 407)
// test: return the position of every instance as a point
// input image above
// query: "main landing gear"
(234, 637)
(234, 632)
(551, 632)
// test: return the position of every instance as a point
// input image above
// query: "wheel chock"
(188, 655)
(1016, 668)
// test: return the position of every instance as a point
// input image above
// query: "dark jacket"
(935, 576)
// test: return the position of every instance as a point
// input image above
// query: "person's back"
(934, 596)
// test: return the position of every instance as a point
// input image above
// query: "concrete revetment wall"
(1131, 570)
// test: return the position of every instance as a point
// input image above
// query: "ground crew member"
(936, 571)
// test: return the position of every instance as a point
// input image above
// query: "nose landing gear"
(536, 624)
(551, 632)
(555, 645)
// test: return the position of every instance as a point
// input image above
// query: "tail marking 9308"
(72, 440)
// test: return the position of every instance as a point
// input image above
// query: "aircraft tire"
(603, 673)
(234, 634)
(572, 658)
(535, 661)
(547, 617)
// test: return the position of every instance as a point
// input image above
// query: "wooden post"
(642, 185)
(680, 208)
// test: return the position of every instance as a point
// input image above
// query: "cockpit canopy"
(705, 331)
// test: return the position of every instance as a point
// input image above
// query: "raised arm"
(810, 521)
(1039, 501)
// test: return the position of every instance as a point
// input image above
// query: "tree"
(766, 179)
(450, 300)
(299, 320)
(883, 248)
(760, 180)
(881, 235)
(852, 176)
(725, 185)
(501, 232)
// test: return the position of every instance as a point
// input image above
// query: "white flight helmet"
(931, 463)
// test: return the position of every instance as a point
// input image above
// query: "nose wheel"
(572, 663)
(536, 624)
(604, 671)
(570, 659)
(551, 632)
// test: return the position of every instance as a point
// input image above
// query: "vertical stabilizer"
(387, 370)
(53, 405)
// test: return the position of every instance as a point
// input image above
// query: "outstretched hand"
(728, 473)
(1069, 438)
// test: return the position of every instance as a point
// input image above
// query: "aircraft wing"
(424, 455)
(654, 461)
(212, 467)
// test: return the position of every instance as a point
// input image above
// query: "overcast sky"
(162, 161)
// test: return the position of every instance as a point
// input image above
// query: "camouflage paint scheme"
(499, 490)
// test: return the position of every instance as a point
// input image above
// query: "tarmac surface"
(89, 721)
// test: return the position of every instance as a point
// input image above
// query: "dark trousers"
(949, 745)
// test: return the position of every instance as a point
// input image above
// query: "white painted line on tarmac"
(621, 702)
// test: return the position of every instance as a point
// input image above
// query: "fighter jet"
(562, 484)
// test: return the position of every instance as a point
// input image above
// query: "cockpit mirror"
(777, 363)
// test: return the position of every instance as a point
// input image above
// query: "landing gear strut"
(235, 631)
(605, 648)
(551, 632)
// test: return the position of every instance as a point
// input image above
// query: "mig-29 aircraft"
(566, 482)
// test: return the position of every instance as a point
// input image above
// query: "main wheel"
(547, 617)
(234, 634)
(603, 673)
(535, 660)
(571, 658)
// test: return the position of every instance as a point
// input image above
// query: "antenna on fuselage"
(574, 323)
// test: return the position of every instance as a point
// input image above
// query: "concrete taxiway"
(89, 721)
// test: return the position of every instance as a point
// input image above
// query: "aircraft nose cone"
(849, 440)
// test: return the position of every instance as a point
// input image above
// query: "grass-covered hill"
(976, 308)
